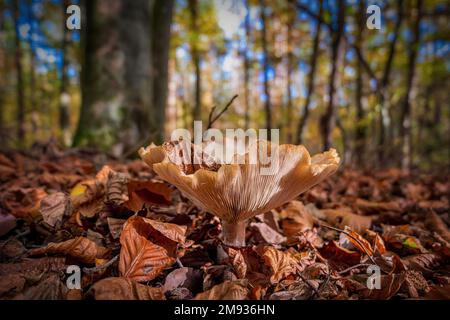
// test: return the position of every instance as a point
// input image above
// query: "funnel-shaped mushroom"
(240, 190)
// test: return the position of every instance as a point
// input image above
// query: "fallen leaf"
(183, 277)
(115, 226)
(142, 259)
(374, 207)
(339, 255)
(296, 218)
(268, 234)
(280, 263)
(359, 242)
(434, 222)
(49, 288)
(228, 290)
(147, 192)
(124, 289)
(7, 223)
(80, 248)
(11, 284)
(34, 266)
(54, 207)
(343, 217)
(238, 262)
(422, 262)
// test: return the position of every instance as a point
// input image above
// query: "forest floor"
(132, 236)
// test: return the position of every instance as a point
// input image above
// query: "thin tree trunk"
(193, 8)
(311, 77)
(247, 67)
(20, 117)
(163, 13)
(267, 103)
(290, 63)
(329, 118)
(384, 116)
(64, 96)
(405, 116)
(360, 132)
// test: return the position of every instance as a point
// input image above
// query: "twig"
(354, 267)
(309, 285)
(103, 266)
(212, 119)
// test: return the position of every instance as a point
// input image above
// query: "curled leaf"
(228, 290)
(54, 207)
(80, 248)
(124, 289)
(281, 264)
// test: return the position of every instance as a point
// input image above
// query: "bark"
(405, 116)
(311, 77)
(195, 53)
(267, 103)
(163, 13)
(360, 132)
(384, 118)
(20, 116)
(247, 68)
(64, 112)
(329, 118)
(116, 74)
(290, 65)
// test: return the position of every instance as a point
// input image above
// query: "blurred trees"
(311, 68)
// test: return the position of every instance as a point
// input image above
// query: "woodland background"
(138, 69)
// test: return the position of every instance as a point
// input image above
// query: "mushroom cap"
(239, 190)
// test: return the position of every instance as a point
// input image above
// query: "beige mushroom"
(237, 191)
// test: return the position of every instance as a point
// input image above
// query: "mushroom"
(238, 191)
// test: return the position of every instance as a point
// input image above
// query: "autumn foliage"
(135, 236)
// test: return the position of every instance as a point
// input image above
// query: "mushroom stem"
(233, 233)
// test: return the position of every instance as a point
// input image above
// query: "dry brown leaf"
(33, 266)
(142, 259)
(297, 218)
(422, 262)
(54, 207)
(115, 226)
(338, 255)
(435, 222)
(281, 264)
(49, 288)
(11, 284)
(7, 223)
(238, 262)
(147, 192)
(268, 234)
(228, 290)
(124, 289)
(183, 277)
(345, 217)
(389, 286)
(360, 243)
(80, 248)
(370, 207)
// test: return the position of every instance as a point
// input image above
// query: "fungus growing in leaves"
(244, 187)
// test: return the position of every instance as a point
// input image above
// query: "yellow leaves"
(80, 248)
(124, 289)
(228, 290)
(281, 264)
(148, 247)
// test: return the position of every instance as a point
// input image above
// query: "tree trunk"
(405, 116)
(328, 119)
(267, 103)
(116, 74)
(64, 97)
(360, 132)
(247, 67)
(162, 13)
(193, 9)
(311, 77)
(290, 64)
(20, 116)
(384, 118)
